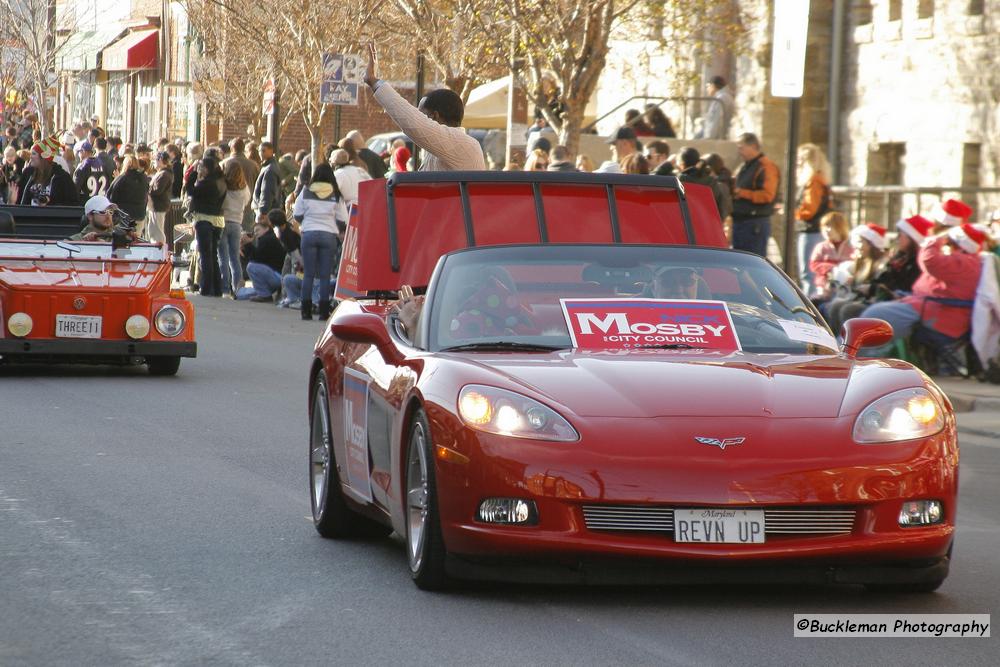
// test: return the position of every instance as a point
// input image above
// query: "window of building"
(895, 10)
(925, 9)
(976, 8)
(863, 12)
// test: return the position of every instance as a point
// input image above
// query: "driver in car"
(675, 283)
(98, 212)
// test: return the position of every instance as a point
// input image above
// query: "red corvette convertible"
(593, 388)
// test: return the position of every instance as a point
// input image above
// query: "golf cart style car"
(597, 389)
(91, 302)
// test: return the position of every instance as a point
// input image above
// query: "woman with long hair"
(45, 182)
(635, 120)
(237, 199)
(657, 122)
(636, 163)
(538, 160)
(320, 211)
(813, 202)
(207, 188)
(870, 255)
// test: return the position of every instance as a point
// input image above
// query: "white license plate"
(722, 526)
(78, 326)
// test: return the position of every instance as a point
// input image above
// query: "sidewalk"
(978, 403)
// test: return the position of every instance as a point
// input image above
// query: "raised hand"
(371, 74)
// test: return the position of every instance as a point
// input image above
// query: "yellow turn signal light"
(20, 324)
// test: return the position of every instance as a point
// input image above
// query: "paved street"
(163, 521)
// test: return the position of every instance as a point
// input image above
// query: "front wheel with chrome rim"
(332, 517)
(425, 546)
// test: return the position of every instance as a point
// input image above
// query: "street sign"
(343, 74)
(267, 108)
(788, 51)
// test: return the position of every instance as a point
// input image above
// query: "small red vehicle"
(596, 389)
(91, 302)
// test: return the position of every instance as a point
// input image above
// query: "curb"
(981, 433)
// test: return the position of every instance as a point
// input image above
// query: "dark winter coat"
(130, 192)
(62, 190)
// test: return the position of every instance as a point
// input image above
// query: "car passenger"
(98, 212)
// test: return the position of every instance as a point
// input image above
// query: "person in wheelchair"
(939, 311)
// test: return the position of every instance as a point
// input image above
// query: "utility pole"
(419, 95)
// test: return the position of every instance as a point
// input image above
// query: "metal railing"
(885, 204)
(658, 101)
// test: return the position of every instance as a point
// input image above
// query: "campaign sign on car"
(347, 274)
(356, 433)
(617, 324)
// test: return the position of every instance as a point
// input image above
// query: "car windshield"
(623, 296)
(80, 250)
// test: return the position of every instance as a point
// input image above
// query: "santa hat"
(874, 234)
(952, 213)
(968, 238)
(47, 148)
(917, 228)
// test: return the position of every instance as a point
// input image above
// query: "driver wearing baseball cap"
(98, 212)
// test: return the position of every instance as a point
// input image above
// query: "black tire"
(163, 365)
(332, 517)
(428, 568)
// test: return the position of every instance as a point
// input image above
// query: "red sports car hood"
(667, 383)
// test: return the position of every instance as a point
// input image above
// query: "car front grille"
(777, 521)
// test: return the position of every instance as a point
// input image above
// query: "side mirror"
(864, 332)
(366, 328)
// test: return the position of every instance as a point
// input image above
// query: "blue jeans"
(751, 234)
(317, 261)
(900, 315)
(208, 235)
(806, 243)
(229, 257)
(266, 281)
(292, 285)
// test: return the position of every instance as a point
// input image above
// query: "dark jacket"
(267, 249)
(130, 191)
(702, 176)
(92, 178)
(160, 190)
(305, 174)
(376, 167)
(177, 167)
(756, 188)
(899, 273)
(62, 190)
(561, 166)
(267, 189)
(108, 161)
(665, 169)
(207, 195)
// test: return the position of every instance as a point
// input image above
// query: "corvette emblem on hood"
(721, 444)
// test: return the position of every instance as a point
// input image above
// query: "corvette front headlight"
(902, 415)
(508, 413)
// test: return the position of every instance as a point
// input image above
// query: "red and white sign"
(618, 324)
(267, 108)
(347, 273)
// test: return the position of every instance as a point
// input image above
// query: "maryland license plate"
(78, 326)
(723, 526)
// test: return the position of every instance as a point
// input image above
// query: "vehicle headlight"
(20, 324)
(902, 415)
(170, 321)
(505, 412)
(137, 326)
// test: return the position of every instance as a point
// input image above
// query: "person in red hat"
(950, 213)
(45, 182)
(951, 269)
(870, 243)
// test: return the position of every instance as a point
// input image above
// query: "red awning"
(136, 50)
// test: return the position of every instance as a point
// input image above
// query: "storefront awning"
(81, 50)
(136, 50)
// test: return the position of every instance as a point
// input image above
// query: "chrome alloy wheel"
(417, 496)
(320, 452)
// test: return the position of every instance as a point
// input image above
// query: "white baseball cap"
(97, 203)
